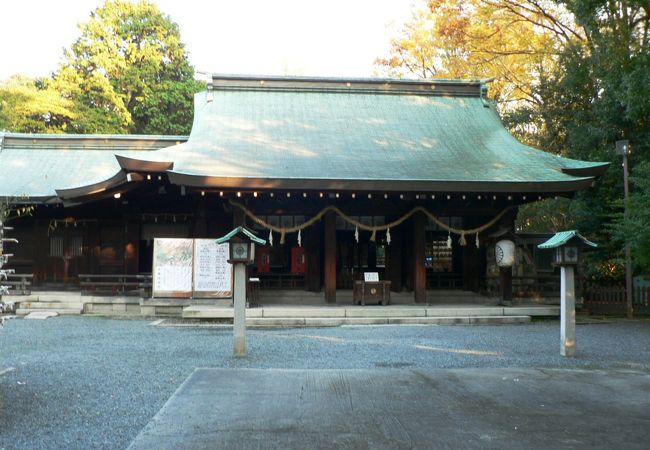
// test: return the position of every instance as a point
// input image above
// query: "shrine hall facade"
(414, 180)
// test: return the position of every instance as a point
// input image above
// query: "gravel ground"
(83, 382)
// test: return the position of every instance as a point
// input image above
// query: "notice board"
(212, 272)
(172, 267)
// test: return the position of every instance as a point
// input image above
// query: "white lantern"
(505, 253)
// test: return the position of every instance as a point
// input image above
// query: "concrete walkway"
(337, 315)
(388, 409)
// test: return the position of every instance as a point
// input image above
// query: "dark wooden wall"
(111, 231)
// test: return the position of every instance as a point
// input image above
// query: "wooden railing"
(281, 280)
(137, 285)
(21, 283)
(444, 280)
(529, 286)
(613, 299)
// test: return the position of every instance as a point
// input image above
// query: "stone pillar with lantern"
(566, 245)
(242, 252)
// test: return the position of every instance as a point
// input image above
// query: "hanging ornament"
(462, 240)
(449, 240)
(477, 242)
(356, 233)
(282, 237)
(373, 236)
(299, 239)
(271, 238)
(388, 236)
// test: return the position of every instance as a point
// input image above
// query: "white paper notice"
(212, 272)
(173, 278)
(172, 266)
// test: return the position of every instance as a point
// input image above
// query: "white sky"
(273, 37)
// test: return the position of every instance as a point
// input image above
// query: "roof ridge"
(473, 88)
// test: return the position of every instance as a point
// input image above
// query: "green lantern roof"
(563, 237)
(241, 230)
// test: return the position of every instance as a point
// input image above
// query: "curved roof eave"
(180, 178)
(141, 165)
(591, 170)
(116, 180)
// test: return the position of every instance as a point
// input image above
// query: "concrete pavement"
(378, 408)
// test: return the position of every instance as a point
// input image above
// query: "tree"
(128, 72)
(32, 106)
(597, 95)
(635, 227)
(585, 84)
(511, 42)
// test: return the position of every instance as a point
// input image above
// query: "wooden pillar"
(394, 260)
(419, 270)
(312, 240)
(329, 268)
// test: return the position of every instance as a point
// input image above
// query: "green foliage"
(513, 42)
(13, 208)
(32, 106)
(635, 226)
(598, 95)
(546, 216)
(128, 72)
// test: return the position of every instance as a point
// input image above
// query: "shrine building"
(413, 180)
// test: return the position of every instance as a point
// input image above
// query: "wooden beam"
(419, 270)
(329, 268)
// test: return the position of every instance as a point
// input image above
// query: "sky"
(256, 37)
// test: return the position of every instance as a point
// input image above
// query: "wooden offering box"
(371, 292)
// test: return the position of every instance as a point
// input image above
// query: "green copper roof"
(36, 165)
(316, 135)
(563, 237)
(243, 230)
(307, 133)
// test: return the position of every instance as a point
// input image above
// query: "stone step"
(342, 321)
(51, 305)
(56, 296)
(60, 311)
(386, 313)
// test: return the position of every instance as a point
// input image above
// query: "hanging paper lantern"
(271, 238)
(299, 239)
(388, 236)
(505, 253)
(449, 240)
(356, 233)
(477, 242)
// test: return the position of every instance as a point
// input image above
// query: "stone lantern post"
(566, 246)
(242, 252)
